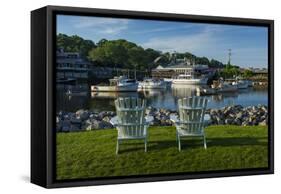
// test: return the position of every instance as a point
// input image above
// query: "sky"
(249, 44)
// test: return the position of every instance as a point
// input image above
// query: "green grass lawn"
(92, 154)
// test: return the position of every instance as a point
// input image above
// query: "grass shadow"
(211, 142)
(237, 141)
(192, 143)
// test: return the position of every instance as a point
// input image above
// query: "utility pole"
(229, 56)
(135, 72)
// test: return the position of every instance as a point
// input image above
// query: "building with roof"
(181, 67)
(72, 65)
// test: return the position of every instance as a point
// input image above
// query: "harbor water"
(157, 98)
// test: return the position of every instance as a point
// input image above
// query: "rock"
(101, 124)
(237, 122)
(65, 128)
(111, 113)
(58, 119)
(228, 121)
(94, 116)
(104, 114)
(234, 115)
(107, 119)
(82, 114)
(75, 120)
(66, 122)
(263, 123)
(246, 123)
(74, 128)
(219, 121)
(239, 115)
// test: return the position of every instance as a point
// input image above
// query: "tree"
(202, 60)
(229, 71)
(248, 73)
(75, 44)
(215, 64)
(125, 54)
(109, 53)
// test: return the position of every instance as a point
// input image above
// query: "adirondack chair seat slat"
(188, 122)
(188, 133)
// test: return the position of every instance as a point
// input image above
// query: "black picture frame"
(43, 48)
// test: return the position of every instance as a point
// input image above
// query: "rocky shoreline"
(84, 120)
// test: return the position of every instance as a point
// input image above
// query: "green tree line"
(125, 54)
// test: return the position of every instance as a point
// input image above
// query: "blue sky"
(249, 44)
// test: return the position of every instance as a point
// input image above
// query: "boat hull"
(190, 82)
(241, 85)
(227, 89)
(152, 87)
(132, 88)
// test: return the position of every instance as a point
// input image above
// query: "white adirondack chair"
(191, 118)
(131, 122)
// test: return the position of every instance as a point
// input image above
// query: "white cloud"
(190, 42)
(101, 25)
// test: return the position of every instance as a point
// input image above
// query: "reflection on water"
(81, 98)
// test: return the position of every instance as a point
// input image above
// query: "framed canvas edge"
(50, 133)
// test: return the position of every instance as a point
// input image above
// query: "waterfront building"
(72, 65)
(181, 67)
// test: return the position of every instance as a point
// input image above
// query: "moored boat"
(241, 84)
(220, 86)
(190, 79)
(205, 91)
(117, 84)
(150, 83)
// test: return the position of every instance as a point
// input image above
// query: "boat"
(205, 91)
(149, 83)
(190, 79)
(117, 84)
(220, 87)
(241, 84)
(113, 95)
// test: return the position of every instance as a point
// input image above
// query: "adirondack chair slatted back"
(130, 114)
(191, 114)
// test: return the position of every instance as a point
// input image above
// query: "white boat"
(221, 87)
(241, 84)
(113, 95)
(117, 84)
(205, 91)
(189, 79)
(149, 83)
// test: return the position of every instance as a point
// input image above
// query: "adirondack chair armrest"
(114, 121)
